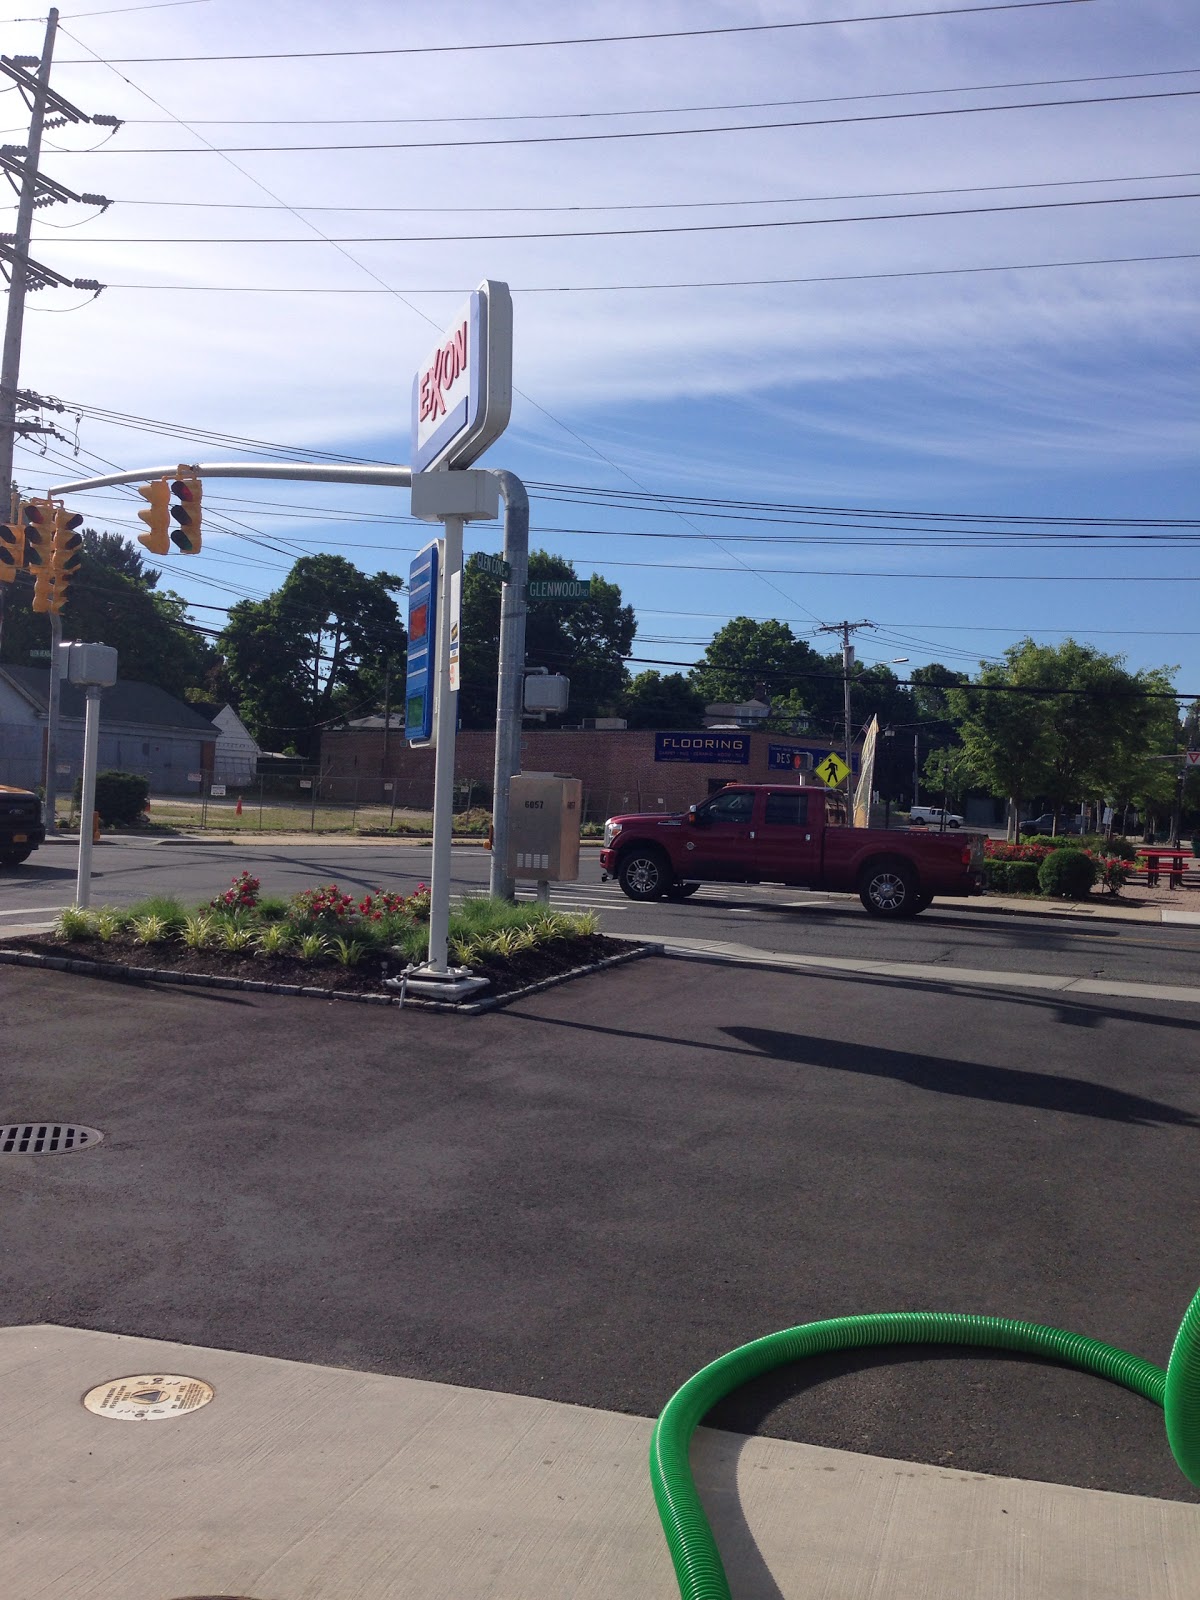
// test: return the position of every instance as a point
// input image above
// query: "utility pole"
(18, 275)
(33, 190)
(846, 629)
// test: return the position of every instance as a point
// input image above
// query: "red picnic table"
(1172, 856)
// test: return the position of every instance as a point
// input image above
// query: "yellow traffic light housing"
(157, 518)
(188, 490)
(12, 549)
(38, 519)
(66, 555)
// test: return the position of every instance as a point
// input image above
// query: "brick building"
(626, 769)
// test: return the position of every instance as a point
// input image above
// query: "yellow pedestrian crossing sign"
(832, 770)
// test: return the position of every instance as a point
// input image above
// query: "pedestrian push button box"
(545, 809)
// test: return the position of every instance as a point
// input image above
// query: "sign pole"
(510, 678)
(91, 745)
(446, 720)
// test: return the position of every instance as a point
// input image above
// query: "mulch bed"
(506, 975)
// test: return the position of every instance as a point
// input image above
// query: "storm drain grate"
(45, 1138)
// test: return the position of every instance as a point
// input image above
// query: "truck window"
(785, 806)
(835, 814)
(732, 805)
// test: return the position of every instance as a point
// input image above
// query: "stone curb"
(119, 972)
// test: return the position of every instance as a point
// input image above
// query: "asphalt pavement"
(585, 1197)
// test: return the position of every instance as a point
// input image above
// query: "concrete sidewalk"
(302, 1482)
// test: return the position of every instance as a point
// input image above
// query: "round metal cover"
(46, 1138)
(148, 1398)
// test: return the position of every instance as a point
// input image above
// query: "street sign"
(39, 655)
(560, 589)
(1192, 759)
(495, 565)
(422, 641)
(217, 791)
(832, 770)
(462, 392)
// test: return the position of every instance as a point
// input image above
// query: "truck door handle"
(808, 838)
(752, 833)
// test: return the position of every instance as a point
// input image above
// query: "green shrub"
(1012, 877)
(120, 798)
(1067, 874)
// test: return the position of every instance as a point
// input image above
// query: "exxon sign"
(462, 393)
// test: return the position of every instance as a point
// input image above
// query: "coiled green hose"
(698, 1567)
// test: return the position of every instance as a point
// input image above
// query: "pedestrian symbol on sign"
(831, 770)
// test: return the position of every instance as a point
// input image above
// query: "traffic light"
(38, 519)
(66, 555)
(157, 518)
(188, 491)
(12, 549)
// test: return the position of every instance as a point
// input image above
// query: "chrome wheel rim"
(887, 891)
(643, 875)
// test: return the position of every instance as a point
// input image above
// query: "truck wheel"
(14, 858)
(644, 874)
(916, 822)
(889, 889)
(682, 891)
(953, 824)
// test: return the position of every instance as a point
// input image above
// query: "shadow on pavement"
(1047, 1091)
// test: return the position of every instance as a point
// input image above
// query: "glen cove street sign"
(462, 393)
(495, 565)
(560, 589)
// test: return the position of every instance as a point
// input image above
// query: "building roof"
(137, 704)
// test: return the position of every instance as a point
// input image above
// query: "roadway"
(769, 920)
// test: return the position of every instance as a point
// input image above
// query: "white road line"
(30, 911)
(706, 949)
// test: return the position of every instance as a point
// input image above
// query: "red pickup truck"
(763, 833)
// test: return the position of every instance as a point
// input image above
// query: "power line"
(658, 111)
(670, 205)
(638, 288)
(624, 233)
(647, 133)
(603, 38)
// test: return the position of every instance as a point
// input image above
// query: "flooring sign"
(147, 1398)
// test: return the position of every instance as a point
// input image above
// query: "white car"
(933, 817)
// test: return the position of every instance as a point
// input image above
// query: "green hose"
(698, 1566)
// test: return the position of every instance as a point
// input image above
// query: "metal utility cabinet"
(545, 812)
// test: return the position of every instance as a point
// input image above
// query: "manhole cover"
(45, 1138)
(148, 1398)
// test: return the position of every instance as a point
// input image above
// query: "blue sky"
(1048, 392)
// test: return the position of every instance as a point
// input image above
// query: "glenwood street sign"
(560, 588)
(462, 393)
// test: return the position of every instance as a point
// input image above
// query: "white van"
(933, 817)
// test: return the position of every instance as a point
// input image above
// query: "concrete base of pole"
(428, 983)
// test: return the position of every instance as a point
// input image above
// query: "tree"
(1004, 736)
(653, 700)
(1065, 721)
(113, 600)
(746, 660)
(315, 651)
(587, 640)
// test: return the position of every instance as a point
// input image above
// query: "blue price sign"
(422, 646)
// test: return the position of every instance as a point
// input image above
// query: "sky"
(912, 395)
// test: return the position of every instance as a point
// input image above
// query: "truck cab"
(22, 827)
